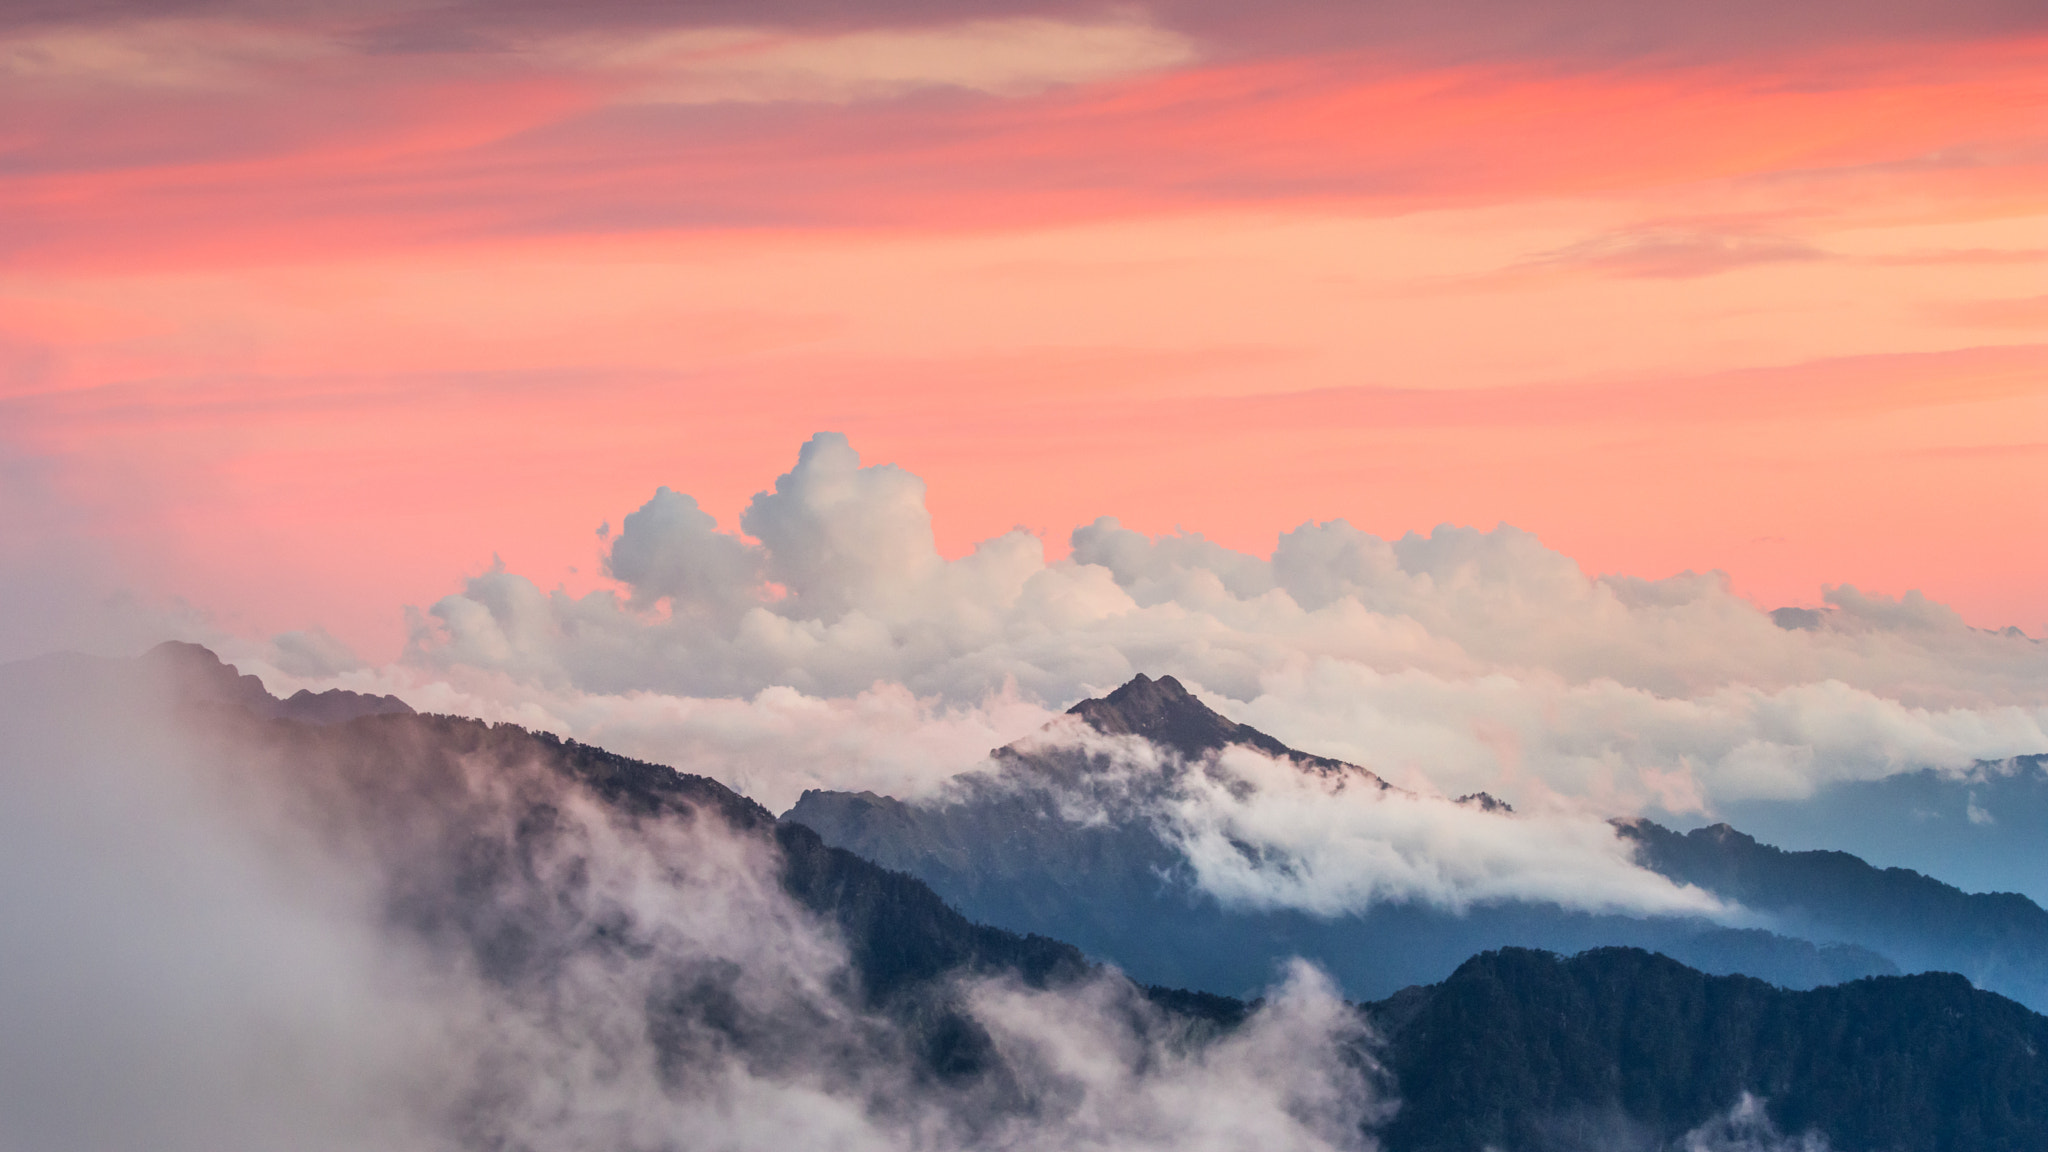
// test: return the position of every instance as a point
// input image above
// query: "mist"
(230, 933)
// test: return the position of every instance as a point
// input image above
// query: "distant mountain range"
(1999, 940)
(1980, 828)
(1006, 847)
(1615, 1049)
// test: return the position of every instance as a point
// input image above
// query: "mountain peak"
(1165, 712)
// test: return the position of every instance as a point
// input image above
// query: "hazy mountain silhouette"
(201, 676)
(1979, 829)
(1999, 940)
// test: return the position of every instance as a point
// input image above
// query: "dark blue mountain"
(1007, 847)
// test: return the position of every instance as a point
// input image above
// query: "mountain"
(486, 857)
(901, 937)
(1618, 1049)
(1999, 940)
(1979, 828)
(484, 837)
(1051, 839)
(1166, 714)
(199, 675)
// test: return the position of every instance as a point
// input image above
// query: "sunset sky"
(309, 311)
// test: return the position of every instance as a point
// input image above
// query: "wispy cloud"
(193, 54)
(1675, 253)
(741, 65)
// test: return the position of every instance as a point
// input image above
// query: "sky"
(311, 311)
(816, 395)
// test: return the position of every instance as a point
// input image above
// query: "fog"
(231, 934)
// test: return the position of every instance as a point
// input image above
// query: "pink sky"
(306, 313)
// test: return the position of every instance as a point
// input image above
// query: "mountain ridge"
(997, 845)
(1622, 1044)
(1627, 1050)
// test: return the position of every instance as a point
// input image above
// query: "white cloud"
(770, 746)
(1261, 833)
(1455, 661)
(1130, 1094)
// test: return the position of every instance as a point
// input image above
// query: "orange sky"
(304, 317)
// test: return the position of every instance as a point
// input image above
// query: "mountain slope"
(488, 842)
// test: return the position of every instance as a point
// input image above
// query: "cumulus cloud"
(1453, 661)
(672, 550)
(242, 936)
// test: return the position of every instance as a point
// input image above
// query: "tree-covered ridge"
(1528, 1050)
(898, 932)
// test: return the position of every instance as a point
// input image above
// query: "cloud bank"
(827, 642)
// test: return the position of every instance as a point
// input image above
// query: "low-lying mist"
(227, 933)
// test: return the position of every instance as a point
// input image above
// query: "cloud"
(1245, 1091)
(187, 54)
(1261, 833)
(771, 745)
(1747, 1127)
(1009, 57)
(681, 63)
(1675, 253)
(313, 654)
(1455, 661)
(228, 936)
(1588, 30)
(672, 550)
